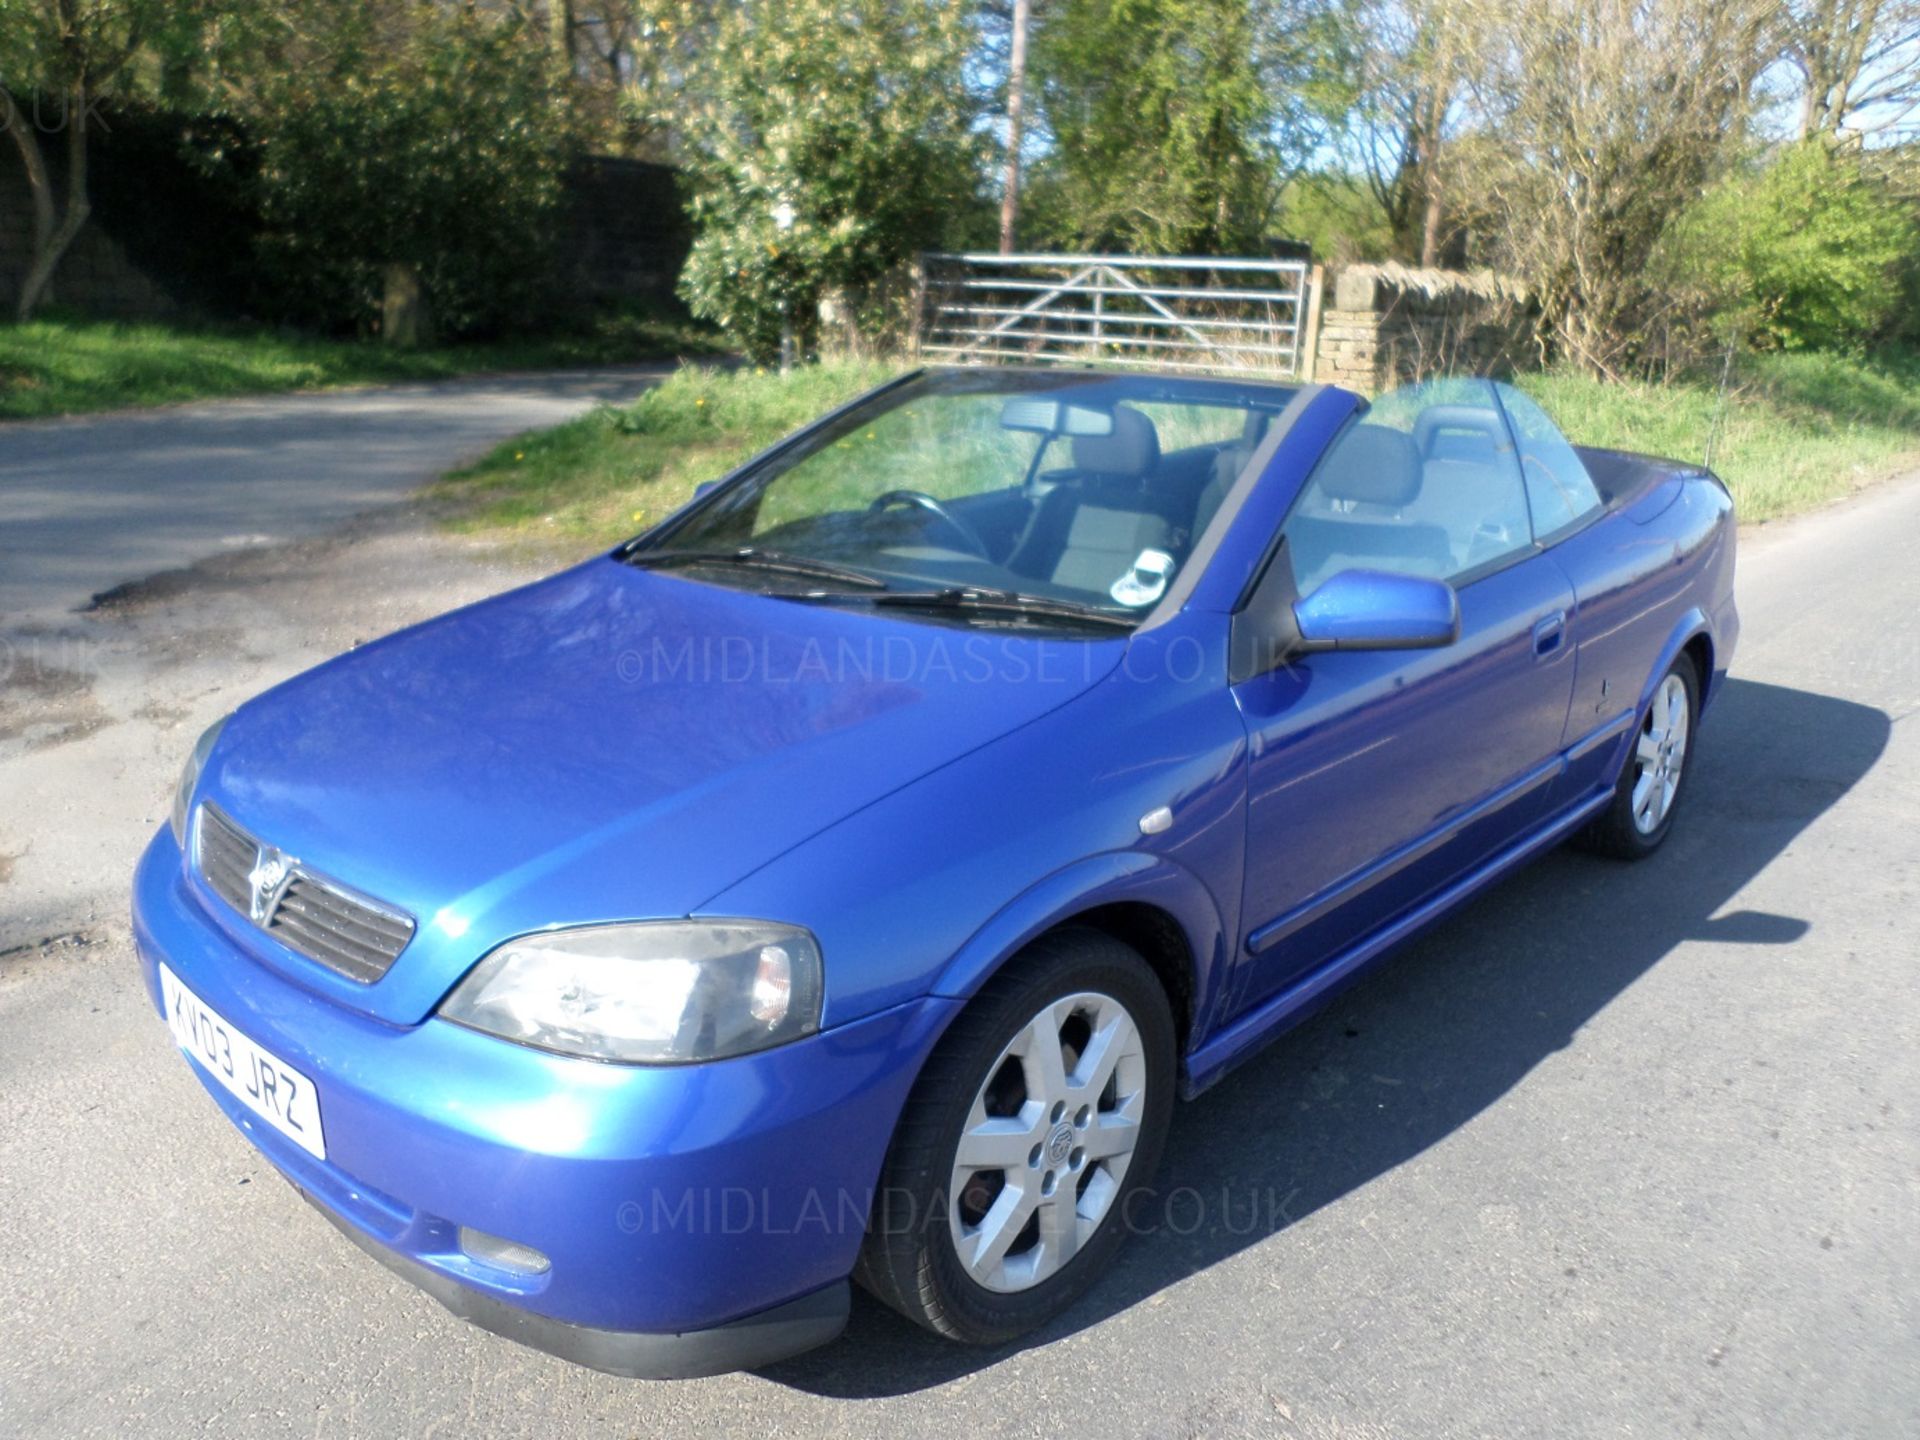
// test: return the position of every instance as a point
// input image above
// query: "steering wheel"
(920, 500)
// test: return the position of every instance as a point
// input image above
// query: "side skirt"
(1245, 1036)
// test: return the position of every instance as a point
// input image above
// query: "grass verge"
(613, 471)
(1798, 431)
(61, 366)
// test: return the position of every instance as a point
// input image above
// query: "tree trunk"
(1430, 228)
(1831, 49)
(1016, 103)
(50, 239)
(403, 310)
(39, 187)
(560, 34)
(1432, 211)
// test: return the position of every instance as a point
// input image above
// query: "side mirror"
(705, 488)
(1376, 610)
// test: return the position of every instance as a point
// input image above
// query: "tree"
(407, 152)
(592, 47)
(826, 142)
(1802, 253)
(1177, 122)
(1603, 120)
(1413, 60)
(1016, 103)
(1858, 62)
(63, 57)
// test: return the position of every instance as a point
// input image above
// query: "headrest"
(1373, 465)
(1442, 432)
(1130, 451)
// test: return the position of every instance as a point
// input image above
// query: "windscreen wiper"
(748, 556)
(972, 600)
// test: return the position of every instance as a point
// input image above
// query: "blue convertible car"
(841, 880)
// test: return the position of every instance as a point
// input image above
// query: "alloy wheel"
(1659, 755)
(1047, 1142)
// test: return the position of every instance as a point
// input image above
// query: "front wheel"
(1649, 789)
(1043, 1109)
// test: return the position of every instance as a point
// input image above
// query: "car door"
(1626, 589)
(1378, 777)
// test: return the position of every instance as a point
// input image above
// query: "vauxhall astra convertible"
(841, 880)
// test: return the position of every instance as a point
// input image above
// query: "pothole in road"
(66, 944)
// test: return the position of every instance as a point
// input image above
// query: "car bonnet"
(609, 744)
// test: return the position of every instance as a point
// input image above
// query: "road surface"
(93, 502)
(1617, 1151)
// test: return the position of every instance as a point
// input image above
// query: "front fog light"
(508, 1255)
(659, 993)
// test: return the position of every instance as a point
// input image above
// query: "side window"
(1559, 489)
(1426, 484)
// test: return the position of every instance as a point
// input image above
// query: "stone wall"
(1383, 325)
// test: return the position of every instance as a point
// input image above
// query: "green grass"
(62, 366)
(1799, 430)
(615, 471)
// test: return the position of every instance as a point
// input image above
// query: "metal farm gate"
(1153, 312)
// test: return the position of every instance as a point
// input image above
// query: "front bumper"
(697, 1218)
(742, 1344)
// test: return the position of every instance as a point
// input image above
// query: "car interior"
(1427, 483)
(1439, 499)
(1075, 530)
(1124, 496)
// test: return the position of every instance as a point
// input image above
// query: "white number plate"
(265, 1084)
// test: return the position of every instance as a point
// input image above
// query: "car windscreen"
(1081, 490)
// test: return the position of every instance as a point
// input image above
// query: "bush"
(1804, 254)
(828, 141)
(439, 145)
(1338, 216)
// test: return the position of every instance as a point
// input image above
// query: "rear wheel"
(1650, 786)
(1044, 1108)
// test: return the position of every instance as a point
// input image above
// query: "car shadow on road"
(1453, 1021)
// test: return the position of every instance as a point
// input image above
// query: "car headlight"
(659, 993)
(190, 777)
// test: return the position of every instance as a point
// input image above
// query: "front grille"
(316, 917)
(227, 855)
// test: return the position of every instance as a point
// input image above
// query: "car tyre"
(1005, 1193)
(1654, 778)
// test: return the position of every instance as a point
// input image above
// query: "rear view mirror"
(1052, 417)
(1378, 610)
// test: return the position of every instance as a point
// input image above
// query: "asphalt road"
(90, 503)
(1617, 1151)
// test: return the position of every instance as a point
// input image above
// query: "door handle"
(1548, 633)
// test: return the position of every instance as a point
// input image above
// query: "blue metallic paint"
(511, 767)
(1361, 759)
(1141, 739)
(431, 1127)
(423, 768)
(1376, 610)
